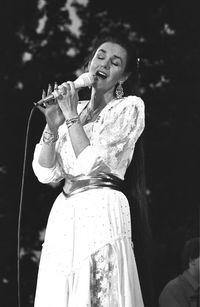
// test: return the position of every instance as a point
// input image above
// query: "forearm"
(78, 138)
(68, 104)
(47, 155)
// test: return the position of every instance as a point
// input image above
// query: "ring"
(62, 90)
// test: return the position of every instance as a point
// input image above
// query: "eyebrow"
(116, 56)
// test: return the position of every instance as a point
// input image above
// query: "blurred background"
(43, 41)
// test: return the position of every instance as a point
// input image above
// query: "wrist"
(49, 138)
(70, 115)
(72, 121)
(53, 131)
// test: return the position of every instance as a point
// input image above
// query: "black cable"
(20, 209)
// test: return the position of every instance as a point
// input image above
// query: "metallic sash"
(94, 182)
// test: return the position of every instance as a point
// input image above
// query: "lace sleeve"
(113, 144)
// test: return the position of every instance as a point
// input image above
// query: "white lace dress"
(87, 257)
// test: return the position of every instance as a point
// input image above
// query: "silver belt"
(94, 182)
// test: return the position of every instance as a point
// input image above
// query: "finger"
(49, 91)
(67, 85)
(55, 88)
(71, 87)
(57, 93)
(62, 89)
(43, 94)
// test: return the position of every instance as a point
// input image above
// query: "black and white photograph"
(100, 153)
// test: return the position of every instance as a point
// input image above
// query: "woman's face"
(108, 64)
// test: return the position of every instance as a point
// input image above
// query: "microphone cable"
(20, 209)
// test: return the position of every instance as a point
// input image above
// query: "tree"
(39, 47)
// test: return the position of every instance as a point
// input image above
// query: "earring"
(119, 90)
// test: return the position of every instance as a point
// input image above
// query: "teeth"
(101, 74)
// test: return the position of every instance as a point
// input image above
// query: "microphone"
(84, 80)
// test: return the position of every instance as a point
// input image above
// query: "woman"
(87, 257)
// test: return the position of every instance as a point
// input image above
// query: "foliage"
(38, 47)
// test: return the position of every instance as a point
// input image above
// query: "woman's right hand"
(52, 112)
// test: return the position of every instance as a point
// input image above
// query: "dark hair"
(135, 183)
(135, 190)
(191, 251)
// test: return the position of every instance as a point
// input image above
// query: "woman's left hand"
(68, 99)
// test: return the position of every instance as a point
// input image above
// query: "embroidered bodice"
(112, 140)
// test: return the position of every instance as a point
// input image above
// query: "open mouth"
(101, 74)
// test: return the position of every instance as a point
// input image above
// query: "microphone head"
(84, 80)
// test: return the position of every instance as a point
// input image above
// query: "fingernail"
(49, 87)
(55, 85)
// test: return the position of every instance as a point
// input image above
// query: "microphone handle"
(86, 79)
(53, 95)
(43, 100)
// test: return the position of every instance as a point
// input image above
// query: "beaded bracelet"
(71, 121)
(49, 138)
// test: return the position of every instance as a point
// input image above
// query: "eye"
(100, 56)
(115, 63)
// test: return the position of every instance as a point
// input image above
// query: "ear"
(125, 77)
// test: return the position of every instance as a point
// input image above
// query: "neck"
(194, 275)
(99, 100)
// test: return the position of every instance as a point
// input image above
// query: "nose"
(106, 64)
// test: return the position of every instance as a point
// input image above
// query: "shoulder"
(124, 114)
(133, 107)
(174, 294)
(130, 101)
(133, 101)
(173, 283)
(126, 105)
(173, 286)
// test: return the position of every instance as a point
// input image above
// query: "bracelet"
(71, 121)
(49, 138)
